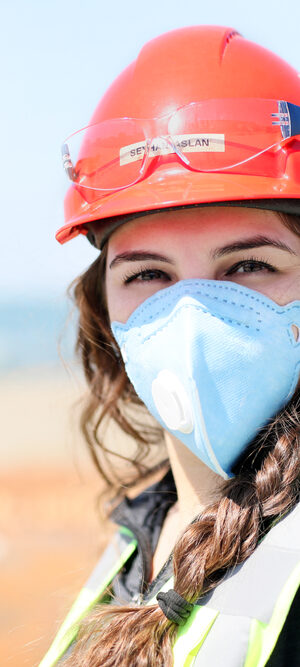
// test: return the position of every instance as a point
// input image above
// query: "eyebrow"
(247, 244)
(243, 244)
(137, 256)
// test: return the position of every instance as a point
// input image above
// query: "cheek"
(120, 303)
(113, 303)
(285, 290)
(295, 331)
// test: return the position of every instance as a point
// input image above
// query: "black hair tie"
(174, 607)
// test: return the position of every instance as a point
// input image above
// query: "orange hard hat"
(177, 73)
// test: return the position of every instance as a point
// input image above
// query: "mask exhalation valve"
(172, 402)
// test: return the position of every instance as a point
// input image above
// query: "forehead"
(210, 224)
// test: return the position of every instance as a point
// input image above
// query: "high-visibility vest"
(235, 625)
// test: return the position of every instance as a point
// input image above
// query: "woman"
(193, 310)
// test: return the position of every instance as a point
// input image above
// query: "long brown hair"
(112, 396)
(266, 486)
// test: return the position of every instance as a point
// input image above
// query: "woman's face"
(250, 247)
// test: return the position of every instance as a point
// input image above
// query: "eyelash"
(251, 260)
(162, 275)
(144, 271)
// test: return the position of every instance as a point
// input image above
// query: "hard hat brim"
(179, 187)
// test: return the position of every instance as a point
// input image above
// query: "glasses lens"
(218, 134)
(213, 135)
(108, 155)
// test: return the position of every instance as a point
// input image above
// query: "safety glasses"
(245, 135)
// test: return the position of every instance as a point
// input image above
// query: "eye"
(146, 275)
(250, 266)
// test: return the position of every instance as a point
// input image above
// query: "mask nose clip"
(172, 402)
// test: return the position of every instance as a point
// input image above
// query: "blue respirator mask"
(213, 362)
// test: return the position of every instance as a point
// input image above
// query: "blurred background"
(57, 59)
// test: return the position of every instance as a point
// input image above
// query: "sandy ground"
(50, 533)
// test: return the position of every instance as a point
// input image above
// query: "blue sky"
(57, 59)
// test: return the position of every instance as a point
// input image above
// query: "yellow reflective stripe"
(191, 635)
(126, 531)
(86, 599)
(263, 637)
